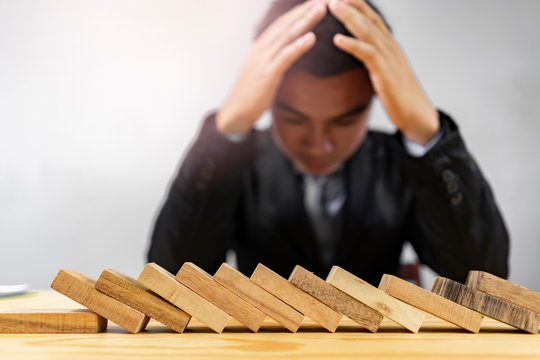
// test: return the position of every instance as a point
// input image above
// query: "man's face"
(320, 122)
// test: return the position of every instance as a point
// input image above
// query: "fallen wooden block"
(377, 299)
(434, 304)
(202, 283)
(298, 299)
(240, 284)
(81, 289)
(336, 299)
(165, 285)
(488, 305)
(127, 290)
(81, 321)
(513, 293)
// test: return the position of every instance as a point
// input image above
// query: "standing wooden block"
(336, 299)
(165, 285)
(377, 299)
(240, 284)
(434, 304)
(81, 288)
(513, 293)
(202, 283)
(488, 305)
(51, 322)
(298, 299)
(127, 290)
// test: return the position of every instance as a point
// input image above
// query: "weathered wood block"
(488, 305)
(127, 290)
(504, 289)
(377, 299)
(298, 299)
(240, 284)
(336, 299)
(434, 304)
(81, 321)
(202, 283)
(81, 289)
(165, 285)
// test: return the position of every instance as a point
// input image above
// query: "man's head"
(321, 109)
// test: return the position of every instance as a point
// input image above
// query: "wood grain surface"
(488, 305)
(129, 291)
(82, 321)
(437, 339)
(240, 284)
(336, 299)
(81, 288)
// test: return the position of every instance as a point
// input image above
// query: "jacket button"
(452, 187)
(457, 199)
(447, 175)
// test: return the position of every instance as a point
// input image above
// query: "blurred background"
(99, 100)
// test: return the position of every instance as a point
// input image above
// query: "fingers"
(355, 21)
(293, 51)
(284, 21)
(364, 8)
(305, 21)
(362, 50)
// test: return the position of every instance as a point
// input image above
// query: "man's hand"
(276, 49)
(391, 75)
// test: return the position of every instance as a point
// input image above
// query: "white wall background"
(99, 99)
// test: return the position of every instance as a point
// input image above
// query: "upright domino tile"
(82, 289)
(434, 304)
(488, 305)
(377, 299)
(298, 299)
(165, 285)
(336, 299)
(240, 284)
(202, 283)
(504, 289)
(80, 321)
(127, 290)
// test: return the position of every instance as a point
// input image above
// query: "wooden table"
(436, 340)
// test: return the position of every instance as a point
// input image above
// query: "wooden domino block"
(434, 304)
(336, 299)
(51, 322)
(298, 299)
(202, 283)
(488, 305)
(127, 290)
(240, 284)
(377, 299)
(81, 288)
(165, 285)
(513, 293)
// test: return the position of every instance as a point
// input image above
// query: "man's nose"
(318, 141)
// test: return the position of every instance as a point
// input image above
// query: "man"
(319, 189)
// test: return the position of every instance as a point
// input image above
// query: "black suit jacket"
(247, 196)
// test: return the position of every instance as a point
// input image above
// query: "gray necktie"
(323, 199)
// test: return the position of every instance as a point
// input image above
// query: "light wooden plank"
(202, 283)
(504, 289)
(336, 299)
(298, 299)
(165, 285)
(81, 321)
(434, 304)
(129, 291)
(488, 305)
(240, 284)
(377, 299)
(81, 288)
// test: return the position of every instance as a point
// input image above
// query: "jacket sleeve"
(196, 222)
(456, 225)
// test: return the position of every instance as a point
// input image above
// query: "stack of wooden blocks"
(172, 301)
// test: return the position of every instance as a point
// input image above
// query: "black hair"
(324, 59)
